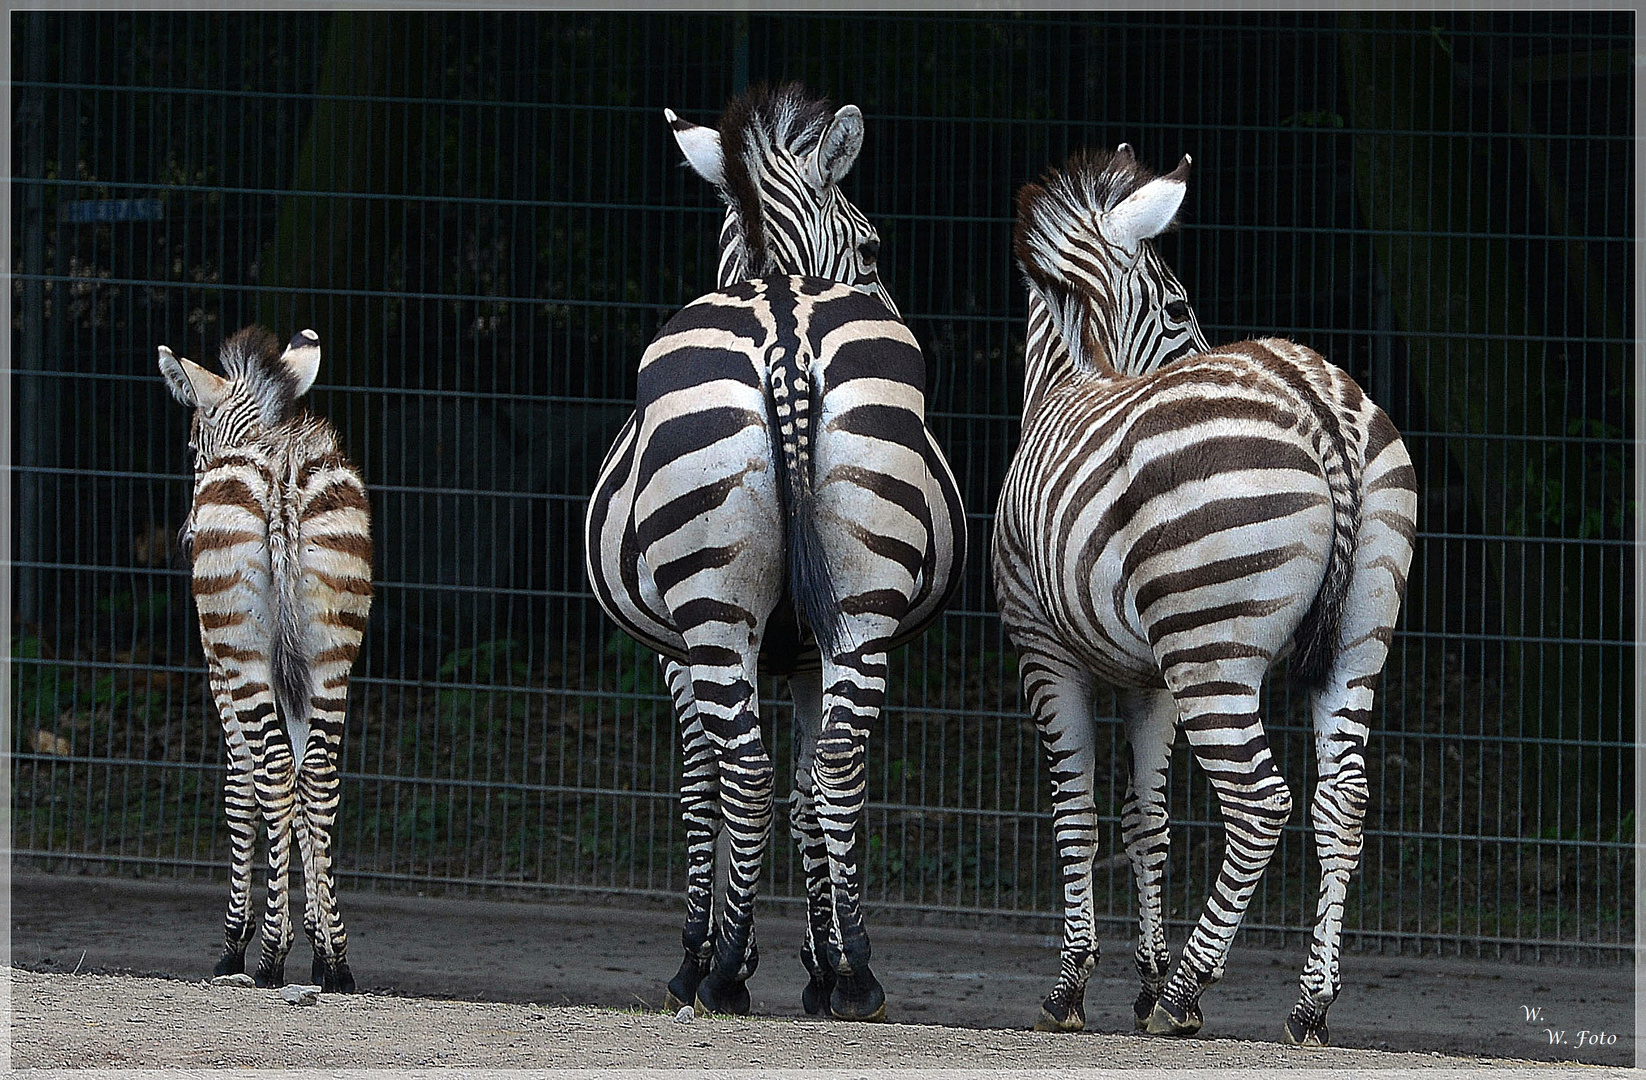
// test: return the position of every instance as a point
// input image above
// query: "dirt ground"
(144, 948)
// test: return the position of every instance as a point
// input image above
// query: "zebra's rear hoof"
(858, 996)
(682, 989)
(815, 998)
(1169, 1018)
(730, 999)
(230, 963)
(1143, 1008)
(270, 976)
(332, 980)
(1055, 1017)
(1301, 1031)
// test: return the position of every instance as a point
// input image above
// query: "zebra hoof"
(1169, 1018)
(230, 963)
(731, 999)
(683, 987)
(332, 980)
(858, 996)
(1143, 1008)
(1072, 1018)
(815, 998)
(270, 976)
(1307, 1033)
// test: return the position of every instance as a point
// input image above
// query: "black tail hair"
(811, 579)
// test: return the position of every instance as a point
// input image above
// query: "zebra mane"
(1057, 229)
(251, 357)
(1063, 206)
(756, 127)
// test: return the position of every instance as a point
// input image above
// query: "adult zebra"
(1175, 521)
(777, 505)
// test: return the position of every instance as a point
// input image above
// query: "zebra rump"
(811, 582)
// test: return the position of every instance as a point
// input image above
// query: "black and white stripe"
(777, 505)
(1175, 521)
(280, 539)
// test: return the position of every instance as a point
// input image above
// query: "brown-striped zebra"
(280, 538)
(777, 505)
(1175, 521)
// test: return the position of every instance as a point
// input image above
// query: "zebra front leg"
(1230, 745)
(1059, 691)
(1151, 727)
(275, 780)
(700, 816)
(724, 687)
(240, 812)
(807, 691)
(319, 784)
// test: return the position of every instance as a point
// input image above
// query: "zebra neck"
(1047, 361)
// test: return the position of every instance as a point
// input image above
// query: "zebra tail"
(1317, 634)
(288, 661)
(811, 579)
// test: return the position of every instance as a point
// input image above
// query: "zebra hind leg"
(807, 691)
(319, 787)
(1233, 751)
(855, 695)
(724, 687)
(240, 811)
(276, 793)
(700, 816)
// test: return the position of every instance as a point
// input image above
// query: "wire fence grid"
(485, 218)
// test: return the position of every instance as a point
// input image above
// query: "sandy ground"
(526, 974)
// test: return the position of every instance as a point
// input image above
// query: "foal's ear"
(302, 359)
(701, 145)
(190, 383)
(1148, 211)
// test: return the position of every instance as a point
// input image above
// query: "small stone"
(686, 1015)
(239, 978)
(297, 994)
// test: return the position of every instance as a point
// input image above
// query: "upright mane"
(252, 358)
(755, 127)
(1057, 213)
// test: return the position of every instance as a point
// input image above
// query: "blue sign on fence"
(92, 210)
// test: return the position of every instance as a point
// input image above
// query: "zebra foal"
(1175, 521)
(776, 505)
(280, 540)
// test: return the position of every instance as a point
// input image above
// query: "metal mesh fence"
(485, 219)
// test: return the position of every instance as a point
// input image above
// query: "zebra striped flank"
(1176, 520)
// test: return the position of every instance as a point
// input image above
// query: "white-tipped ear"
(701, 145)
(190, 383)
(302, 359)
(1145, 213)
(837, 150)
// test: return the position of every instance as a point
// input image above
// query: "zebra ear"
(837, 150)
(302, 360)
(1147, 211)
(190, 383)
(701, 145)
